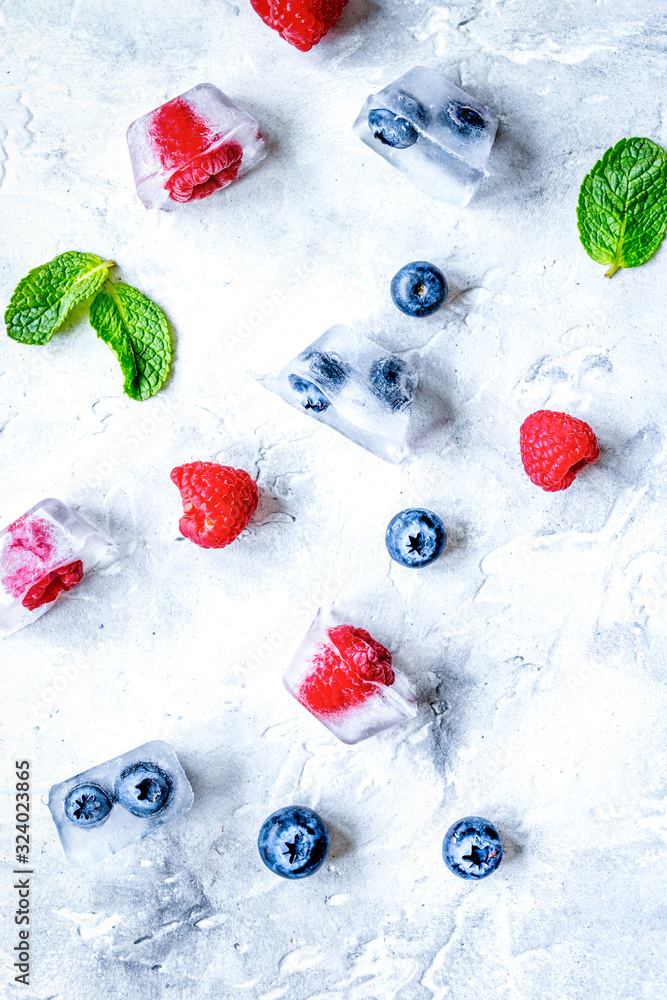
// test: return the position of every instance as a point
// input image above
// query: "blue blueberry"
(393, 381)
(392, 129)
(143, 789)
(87, 805)
(419, 288)
(463, 119)
(328, 367)
(415, 537)
(310, 397)
(293, 842)
(472, 848)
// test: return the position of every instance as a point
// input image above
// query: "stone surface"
(537, 642)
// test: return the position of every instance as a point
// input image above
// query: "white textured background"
(537, 642)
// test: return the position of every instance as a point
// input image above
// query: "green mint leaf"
(43, 299)
(622, 210)
(137, 332)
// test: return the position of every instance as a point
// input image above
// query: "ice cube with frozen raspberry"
(192, 146)
(43, 554)
(346, 679)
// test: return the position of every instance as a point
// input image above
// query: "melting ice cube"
(346, 381)
(439, 136)
(345, 678)
(44, 553)
(191, 146)
(107, 807)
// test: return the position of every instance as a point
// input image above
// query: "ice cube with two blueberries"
(436, 134)
(345, 380)
(111, 805)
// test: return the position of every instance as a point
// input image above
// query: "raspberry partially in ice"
(345, 673)
(206, 174)
(178, 133)
(31, 549)
(182, 139)
(57, 582)
(362, 652)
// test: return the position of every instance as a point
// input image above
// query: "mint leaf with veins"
(622, 210)
(44, 298)
(137, 332)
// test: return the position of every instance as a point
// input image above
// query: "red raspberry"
(301, 22)
(206, 174)
(182, 136)
(218, 502)
(555, 447)
(58, 581)
(31, 549)
(346, 674)
(178, 133)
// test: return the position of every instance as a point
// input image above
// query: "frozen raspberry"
(555, 447)
(178, 133)
(206, 174)
(218, 502)
(301, 22)
(58, 581)
(31, 548)
(181, 136)
(345, 673)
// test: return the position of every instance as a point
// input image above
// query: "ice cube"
(345, 380)
(439, 136)
(43, 554)
(345, 679)
(191, 146)
(107, 807)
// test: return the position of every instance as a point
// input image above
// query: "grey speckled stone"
(537, 642)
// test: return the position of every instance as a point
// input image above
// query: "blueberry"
(293, 842)
(391, 129)
(87, 805)
(415, 537)
(143, 789)
(472, 848)
(463, 119)
(312, 398)
(419, 288)
(328, 367)
(393, 381)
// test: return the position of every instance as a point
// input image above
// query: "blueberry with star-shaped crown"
(293, 842)
(415, 537)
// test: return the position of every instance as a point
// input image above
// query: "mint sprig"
(46, 296)
(131, 324)
(137, 331)
(622, 210)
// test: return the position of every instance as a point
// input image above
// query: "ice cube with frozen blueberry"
(192, 146)
(43, 554)
(436, 134)
(345, 380)
(347, 680)
(111, 805)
